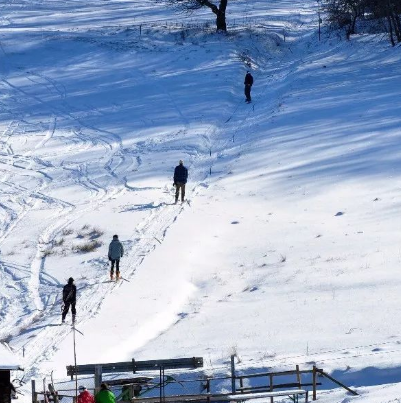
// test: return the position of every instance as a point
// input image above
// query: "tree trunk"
(394, 23)
(221, 22)
(221, 16)
(390, 27)
(353, 24)
(398, 25)
(350, 28)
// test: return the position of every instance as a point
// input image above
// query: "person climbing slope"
(180, 180)
(116, 252)
(248, 82)
(69, 299)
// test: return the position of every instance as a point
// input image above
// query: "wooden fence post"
(271, 387)
(232, 366)
(98, 377)
(298, 376)
(314, 382)
(33, 387)
(44, 389)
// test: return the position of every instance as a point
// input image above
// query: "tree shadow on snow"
(369, 376)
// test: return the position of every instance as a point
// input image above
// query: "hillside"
(287, 249)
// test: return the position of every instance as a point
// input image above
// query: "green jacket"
(105, 396)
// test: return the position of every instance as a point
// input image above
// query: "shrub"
(87, 247)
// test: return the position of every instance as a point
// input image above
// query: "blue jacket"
(116, 250)
(180, 174)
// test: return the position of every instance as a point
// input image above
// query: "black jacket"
(70, 293)
(248, 79)
(180, 174)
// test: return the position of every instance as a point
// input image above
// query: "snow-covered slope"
(287, 249)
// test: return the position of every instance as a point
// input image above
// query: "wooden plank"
(337, 382)
(243, 397)
(133, 366)
(175, 363)
(223, 397)
(292, 372)
(278, 386)
(182, 398)
(140, 380)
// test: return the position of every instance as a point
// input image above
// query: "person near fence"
(180, 180)
(105, 395)
(69, 299)
(125, 393)
(84, 395)
(13, 391)
(116, 251)
(248, 85)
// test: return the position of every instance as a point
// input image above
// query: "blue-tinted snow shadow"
(338, 122)
(144, 103)
(331, 130)
(370, 376)
(34, 329)
(89, 13)
(141, 207)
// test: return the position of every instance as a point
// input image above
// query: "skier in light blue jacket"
(116, 251)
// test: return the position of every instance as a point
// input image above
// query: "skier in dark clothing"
(116, 251)
(248, 85)
(180, 179)
(69, 299)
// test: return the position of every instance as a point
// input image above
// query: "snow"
(287, 249)
(8, 361)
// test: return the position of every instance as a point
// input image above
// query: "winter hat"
(115, 236)
(82, 388)
(70, 280)
(181, 162)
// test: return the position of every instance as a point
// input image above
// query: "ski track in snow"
(47, 306)
(42, 293)
(146, 237)
(25, 198)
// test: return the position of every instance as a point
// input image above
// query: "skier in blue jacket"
(116, 251)
(180, 180)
